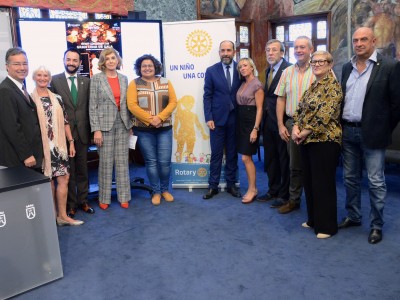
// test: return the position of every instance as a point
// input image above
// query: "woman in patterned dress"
(317, 129)
(55, 132)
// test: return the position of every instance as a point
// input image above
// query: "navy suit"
(276, 156)
(219, 104)
(19, 127)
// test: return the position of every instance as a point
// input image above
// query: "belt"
(351, 124)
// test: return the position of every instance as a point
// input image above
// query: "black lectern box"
(29, 249)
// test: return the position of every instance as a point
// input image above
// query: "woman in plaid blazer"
(110, 122)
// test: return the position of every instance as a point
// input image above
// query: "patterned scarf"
(59, 139)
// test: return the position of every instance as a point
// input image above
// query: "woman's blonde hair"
(251, 62)
(102, 58)
(327, 55)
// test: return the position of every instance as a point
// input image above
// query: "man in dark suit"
(74, 90)
(220, 87)
(20, 138)
(275, 149)
(370, 112)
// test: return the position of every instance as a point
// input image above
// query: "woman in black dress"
(249, 97)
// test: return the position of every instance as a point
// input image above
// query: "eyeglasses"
(147, 66)
(320, 62)
(17, 64)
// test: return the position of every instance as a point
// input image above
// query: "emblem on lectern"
(2, 219)
(30, 211)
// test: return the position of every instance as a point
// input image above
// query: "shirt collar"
(298, 68)
(67, 75)
(277, 66)
(19, 84)
(224, 65)
(373, 57)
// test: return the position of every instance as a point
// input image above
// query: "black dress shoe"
(234, 191)
(87, 209)
(266, 197)
(347, 222)
(71, 213)
(375, 236)
(211, 193)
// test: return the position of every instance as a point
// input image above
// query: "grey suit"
(114, 125)
(78, 117)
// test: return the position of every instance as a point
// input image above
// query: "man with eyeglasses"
(295, 80)
(275, 149)
(370, 112)
(21, 142)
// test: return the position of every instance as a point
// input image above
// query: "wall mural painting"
(221, 7)
(383, 16)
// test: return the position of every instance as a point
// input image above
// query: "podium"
(29, 249)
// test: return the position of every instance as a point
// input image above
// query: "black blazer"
(78, 116)
(269, 106)
(381, 108)
(20, 135)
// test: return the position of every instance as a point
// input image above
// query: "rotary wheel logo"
(202, 172)
(199, 43)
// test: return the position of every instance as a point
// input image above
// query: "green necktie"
(74, 91)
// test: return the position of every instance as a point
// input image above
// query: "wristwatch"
(71, 140)
(256, 128)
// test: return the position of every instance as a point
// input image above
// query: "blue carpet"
(221, 249)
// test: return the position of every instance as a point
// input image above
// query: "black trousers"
(78, 185)
(319, 177)
(277, 163)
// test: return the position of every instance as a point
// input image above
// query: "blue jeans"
(354, 151)
(156, 147)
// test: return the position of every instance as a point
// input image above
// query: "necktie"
(26, 94)
(228, 77)
(270, 76)
(74, 91)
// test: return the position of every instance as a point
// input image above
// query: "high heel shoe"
(103, 206)
(125, 205)
(248, 201)
(61, 222)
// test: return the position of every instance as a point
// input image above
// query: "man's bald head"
(363, 42)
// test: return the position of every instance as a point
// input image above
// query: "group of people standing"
(50, 130)
(308, 119)
(306, 116)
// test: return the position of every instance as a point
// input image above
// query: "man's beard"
(73, 70)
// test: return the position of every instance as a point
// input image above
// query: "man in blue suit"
(220, 87)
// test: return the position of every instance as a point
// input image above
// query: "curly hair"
(157, 64)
